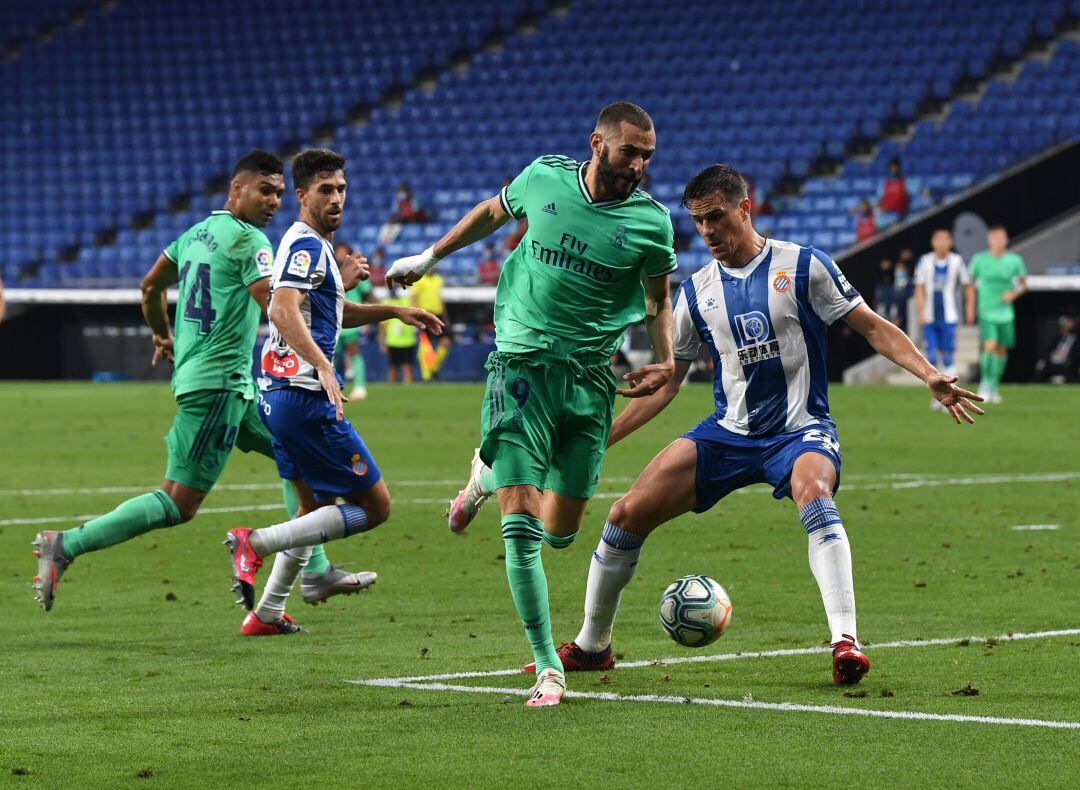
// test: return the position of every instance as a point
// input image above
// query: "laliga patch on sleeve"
(264, 262)
(299, 263)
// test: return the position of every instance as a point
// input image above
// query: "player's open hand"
(958, 402)
(354, 268)
(421, 319)
(406, 271)
(328, 379)
(647, 380)
(163, 349)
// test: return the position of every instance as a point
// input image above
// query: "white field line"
(895, 485)
(431, 683)
(919, 478)
(1035, 527)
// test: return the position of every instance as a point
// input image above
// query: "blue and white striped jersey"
(304, 260)
(941, 281)
(765, 326)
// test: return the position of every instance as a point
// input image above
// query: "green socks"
(992, 368)
(985, 367)
(523, 536)
(317, 563)
(130, 519)
(359, 371)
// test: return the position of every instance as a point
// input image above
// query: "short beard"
(607, 175)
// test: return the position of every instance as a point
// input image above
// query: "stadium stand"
(165, 103)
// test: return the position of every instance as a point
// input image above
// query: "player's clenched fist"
(354, 268)
(406, 271)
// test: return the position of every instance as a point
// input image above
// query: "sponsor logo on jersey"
(280, 365)
(845, 286)
(561, 259)
(299, 263)
(781, 282)
(759, 353)
(264, 262)
(359, 465)
(710, 304)
(550, 208)
(753, 327)
(618, 238)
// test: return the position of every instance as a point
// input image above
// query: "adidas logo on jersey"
(550, 208)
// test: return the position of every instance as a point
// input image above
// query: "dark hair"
(620, 111)
(258, 161)
(996, 226)
(940, 230)
(340, 244)
(306, 165)
(715, 178)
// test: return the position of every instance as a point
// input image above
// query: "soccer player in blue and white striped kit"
(762, 309)
(938, 278)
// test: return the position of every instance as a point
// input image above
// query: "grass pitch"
(139, 676)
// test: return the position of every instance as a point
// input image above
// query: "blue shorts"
(940, 336)
(310, 444)
(728, 461)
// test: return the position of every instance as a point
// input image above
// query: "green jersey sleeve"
(660, 258)
(255, 257)
(175, 250)
(512, 196)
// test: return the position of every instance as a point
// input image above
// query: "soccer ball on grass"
(695, 611)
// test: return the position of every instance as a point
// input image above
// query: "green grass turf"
(139, 676)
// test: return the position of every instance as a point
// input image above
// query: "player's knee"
(378, 511)
(627, 514)
(187, 510)
(805, 492)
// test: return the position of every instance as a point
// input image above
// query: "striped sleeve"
(831, 295)
(513, 194)
(687, 340)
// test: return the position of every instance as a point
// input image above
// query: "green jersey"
(216, 318)
(360, 292)
(994, 277)
(574, 283)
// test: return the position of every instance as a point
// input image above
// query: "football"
(695, 611)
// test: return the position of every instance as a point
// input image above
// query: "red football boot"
(253, 626)
(574, 659)
(245, 564)
(848, 661)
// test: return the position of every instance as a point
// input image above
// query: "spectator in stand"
(397, 341)
(1061, 363)
(487, 270)
(406, 207)
(515, 236)
(865, 222)
(894, 195)
(377, 267)
(885, 303)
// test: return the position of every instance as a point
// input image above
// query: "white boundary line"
(430, 683)
(896, 483)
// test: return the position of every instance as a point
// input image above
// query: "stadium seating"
(167, 98)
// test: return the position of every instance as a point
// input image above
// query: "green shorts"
(1001, 332)
(208, 423)
(546, 421)
(348, 337)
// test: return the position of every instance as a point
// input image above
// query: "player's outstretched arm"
(640, 410)
(481, 222)
(897, 347)
(658, 321)
(285, 313)
(360, 314)
(155, 307)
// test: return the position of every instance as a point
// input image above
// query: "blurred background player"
(762, 310)
(349, 341)
(222, 265)
(432, 350)
(938, 277)
(595, 259)
(999, 276)
(316, 449)
(398, 340)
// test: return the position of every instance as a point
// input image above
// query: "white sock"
(612, 567)
(327, 523)
(830, 562)
(287, 566)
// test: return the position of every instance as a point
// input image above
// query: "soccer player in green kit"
(349, 342)
(595, 259)
(222, 265)
(999, 277)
